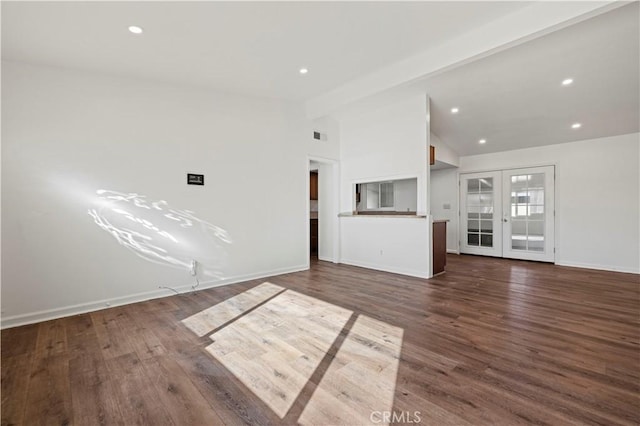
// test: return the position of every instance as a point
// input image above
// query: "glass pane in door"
(527, 212)
(480, 203)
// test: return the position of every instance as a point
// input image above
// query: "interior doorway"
(313, 210)
(509, 213)
(322, 209)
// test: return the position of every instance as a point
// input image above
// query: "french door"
(508, 213)
(481, 213)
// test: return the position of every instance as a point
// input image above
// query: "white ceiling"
(254, 48)
(512, 98)
(515, 99)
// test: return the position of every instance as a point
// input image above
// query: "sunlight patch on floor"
(274, 349)
(273, 340)
(206, 321)
(360, 382)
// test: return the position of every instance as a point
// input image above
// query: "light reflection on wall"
(161, 234)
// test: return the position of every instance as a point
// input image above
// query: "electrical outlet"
(193, 268)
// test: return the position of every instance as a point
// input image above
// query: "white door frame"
(328, 211)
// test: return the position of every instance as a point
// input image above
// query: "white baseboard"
(66, 311)
(598, 267)
(385, 268)
(452, 251)
(327, 259)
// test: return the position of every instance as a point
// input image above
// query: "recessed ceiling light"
(135, 29)
(303, 70)
(454, 110)
(567, 81)
(482, 141)
(576, 125)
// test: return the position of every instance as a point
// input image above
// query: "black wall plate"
(193, 179)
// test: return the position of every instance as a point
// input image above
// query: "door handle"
(505, 220)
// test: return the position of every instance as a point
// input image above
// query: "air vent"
(319, 136)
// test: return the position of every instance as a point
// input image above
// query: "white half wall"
(444, 193)
(597, 198)
(89, 157)
(398, 245)
(386, 144)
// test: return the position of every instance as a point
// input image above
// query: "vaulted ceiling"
(508, 92)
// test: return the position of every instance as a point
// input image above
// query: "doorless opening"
(322, 211)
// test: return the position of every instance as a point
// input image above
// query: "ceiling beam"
(526, 24)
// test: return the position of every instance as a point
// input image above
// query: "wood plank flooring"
(275, 349)
(491, 341)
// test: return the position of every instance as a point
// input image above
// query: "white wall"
(386, 144)
(444, 152)
(67, 135)
(597, 198)
(444, 190)
(329, 146)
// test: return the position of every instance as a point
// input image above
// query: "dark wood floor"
(492, 341)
